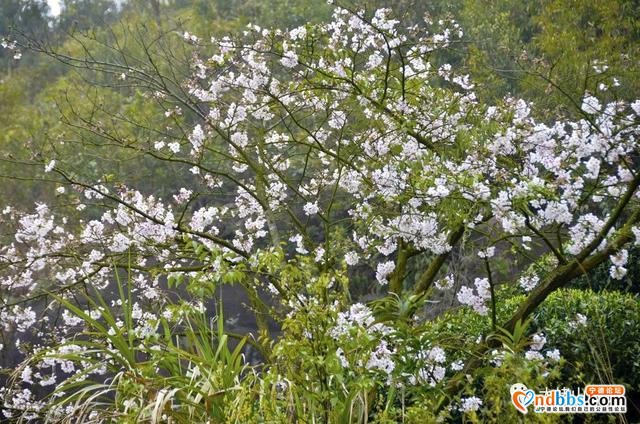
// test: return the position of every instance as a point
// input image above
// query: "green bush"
(597, 334)
(606, 348)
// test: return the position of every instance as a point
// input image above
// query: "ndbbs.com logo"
(595, 398)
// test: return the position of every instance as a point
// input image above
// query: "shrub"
(598, 334)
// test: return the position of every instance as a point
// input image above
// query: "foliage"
(353, 155)
(598, 334)
(126, 366)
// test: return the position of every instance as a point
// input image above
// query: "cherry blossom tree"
(333, 147)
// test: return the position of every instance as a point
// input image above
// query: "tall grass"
(186, 370)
